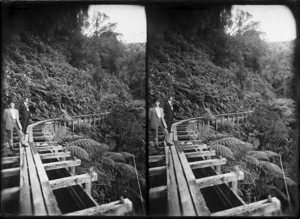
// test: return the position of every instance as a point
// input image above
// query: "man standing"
(25, 114)
(169, 112)
(10, 121)
(156, 120)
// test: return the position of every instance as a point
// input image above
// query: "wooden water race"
(186, 180)
(40, 179)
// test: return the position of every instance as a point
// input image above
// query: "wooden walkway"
(186, 179)
(40, 179)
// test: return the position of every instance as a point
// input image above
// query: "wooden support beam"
(72, 180)
(9, 160)
(49, 148)
(55, 155)
(207, 163)
(261, 208)
(155, 159)
(9, 193)
(194, 147)
(219, 179)
(154, 171)
(10, 172)
(200, 154)
(172, 191)
(62, 164)
(116, 208)
(48, 143)
(158, 192)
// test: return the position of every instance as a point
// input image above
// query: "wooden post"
(218, 167)
(234, 186)
(72, 170)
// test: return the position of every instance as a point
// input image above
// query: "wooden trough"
(191, 182)
(40, 180)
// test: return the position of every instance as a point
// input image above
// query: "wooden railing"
(234, 118)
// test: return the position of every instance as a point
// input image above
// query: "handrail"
(173, 127)
(29, 136)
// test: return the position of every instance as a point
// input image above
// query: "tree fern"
(290, 182)
(270, 168)
(252, 161)
(222, 150)
(127, 155)
(125, 169)
(277, 192)
(108, 162)
(115, 156)
(78, 152)
(214, 137)
(232, 143)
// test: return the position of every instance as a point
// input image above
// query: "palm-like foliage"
(258, 166)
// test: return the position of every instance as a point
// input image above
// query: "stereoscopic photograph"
(73, 110)
(149, 109)
(222, 110)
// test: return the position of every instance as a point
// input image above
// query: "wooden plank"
(9, 193)
(25, 195)
(172, 188)
(39, 207)
(55, 155)
(10, 172)
(219, 179)
(207, 163)
(72, 180)
(158, 192)
(200, 154)
(49, 148)
(115, 208)
(62, 164)
(10, 160)
(50, 200)
(260, 208)
(154, 171)
(48, 143)
(157, 158)
(198, 199)
(184, 192)
(194, 147)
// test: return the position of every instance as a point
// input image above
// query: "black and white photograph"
(73, 110)
(150, 108)
(222, 110)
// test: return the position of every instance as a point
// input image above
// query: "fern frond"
(69, 138)
(270, 168)
(222, 150)
(125, 169)
(115, 156)
(277, 192)
(232, 143)
(271, 154)
(260, 155)
(78, 152)
(127, 155)
(290, 182)
(252, 161)
(109, 162)
(214, 137)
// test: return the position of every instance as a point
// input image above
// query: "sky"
(276, 21)
(130, 19)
